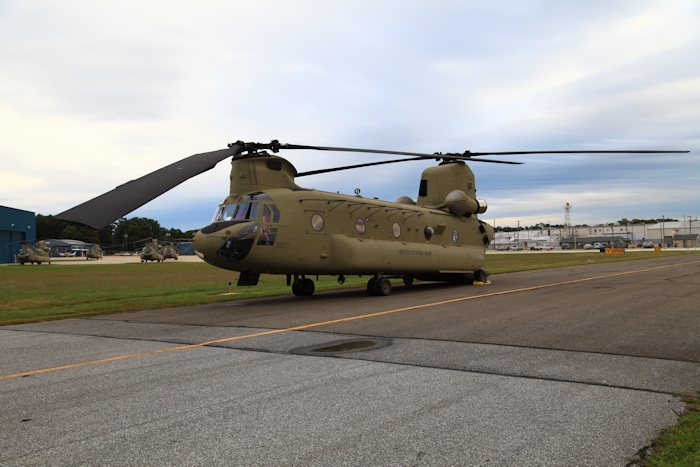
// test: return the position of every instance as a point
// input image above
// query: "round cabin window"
(396, 230)
(455, 236)
(317, 222)
(429, 233)
(360, 226)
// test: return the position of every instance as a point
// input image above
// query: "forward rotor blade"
(105, 209)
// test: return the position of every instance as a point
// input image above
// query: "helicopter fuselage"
(295, 231)
(29, 254)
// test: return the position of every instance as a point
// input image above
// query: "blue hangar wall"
(16, 226)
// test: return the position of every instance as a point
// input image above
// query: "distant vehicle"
(587, 246)
(566, 246)
(502, 248)
(94, 252)
(38, 254)
(63, 255)
(170, 251)
(516, 248)
(151, 252)
(598, 246)
(648, 244)
(541, 247)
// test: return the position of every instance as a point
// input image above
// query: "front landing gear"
(480, 275)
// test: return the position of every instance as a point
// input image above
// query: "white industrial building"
(682, 234)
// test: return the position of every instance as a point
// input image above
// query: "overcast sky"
(93, 94)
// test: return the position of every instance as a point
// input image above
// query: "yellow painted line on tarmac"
(336, 321)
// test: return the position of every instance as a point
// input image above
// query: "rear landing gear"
(303, 288)
(379, 286)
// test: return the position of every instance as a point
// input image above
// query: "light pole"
(126, 236)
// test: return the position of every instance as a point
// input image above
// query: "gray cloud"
(122, 88)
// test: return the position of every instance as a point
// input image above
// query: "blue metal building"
(16, 226)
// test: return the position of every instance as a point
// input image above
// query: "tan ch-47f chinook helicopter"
(151, 252)
(269, 224)
(170, 251)
(38, 254)
(94, 252)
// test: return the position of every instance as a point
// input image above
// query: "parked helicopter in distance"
(269, 224)
(94, 252)
(34, 254)
(169, 251)
(151, 252)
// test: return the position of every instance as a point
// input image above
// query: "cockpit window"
(271, 215)
(217, 213)
(247, 209)
(275, 214)
(257, 196)
(227, 212)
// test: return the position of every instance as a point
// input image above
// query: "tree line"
(123, 233)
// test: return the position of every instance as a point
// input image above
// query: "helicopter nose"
(231, 244)
(201, 243)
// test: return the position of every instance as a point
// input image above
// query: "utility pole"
(663, 232)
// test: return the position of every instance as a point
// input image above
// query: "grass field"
(47, 292)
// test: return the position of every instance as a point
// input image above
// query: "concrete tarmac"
(571, 366)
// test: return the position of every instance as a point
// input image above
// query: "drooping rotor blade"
(105, 209)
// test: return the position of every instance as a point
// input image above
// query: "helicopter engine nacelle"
(460, 204)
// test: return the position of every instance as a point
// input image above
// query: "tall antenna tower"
(567, 220)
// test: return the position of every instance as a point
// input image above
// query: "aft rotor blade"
(370, 151)
(105, 209)
(335, 169)
(469, 154)
(512, 153)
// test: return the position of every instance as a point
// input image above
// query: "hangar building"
(16, 226)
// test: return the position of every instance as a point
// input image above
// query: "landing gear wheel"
(407, 280)
(383, 287)
(307, 287)
(371, 289)
(480, 275)
(295, 289)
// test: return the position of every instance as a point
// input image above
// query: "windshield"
(246, 209)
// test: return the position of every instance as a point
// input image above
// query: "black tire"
(295, 289)
(383, 287)
(480, 275)
(408, 280)
(371, 289)
(307, 287)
